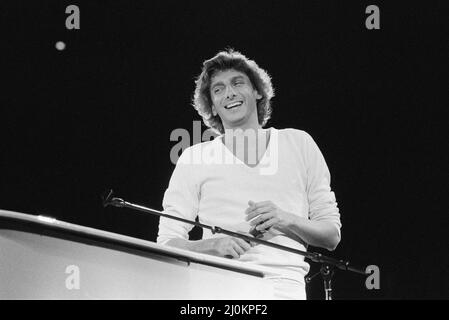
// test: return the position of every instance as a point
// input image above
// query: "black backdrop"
(99, 114)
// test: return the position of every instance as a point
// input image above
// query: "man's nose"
(230, 92)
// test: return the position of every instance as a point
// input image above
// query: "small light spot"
(60, 45)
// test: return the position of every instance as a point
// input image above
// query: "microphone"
(107, 199)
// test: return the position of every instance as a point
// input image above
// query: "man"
(291, 205)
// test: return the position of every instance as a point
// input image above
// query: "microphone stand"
(328, 264)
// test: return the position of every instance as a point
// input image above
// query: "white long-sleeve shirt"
(211, 183)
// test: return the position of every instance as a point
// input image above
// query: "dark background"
(99, 114)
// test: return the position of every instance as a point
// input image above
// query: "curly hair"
(225, 60)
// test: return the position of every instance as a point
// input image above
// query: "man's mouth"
(233, 105)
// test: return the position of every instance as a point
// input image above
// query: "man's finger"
(261, 218)
(236, 246)
(243, 244)
(254, 213)
(267, 224)
(259, 204)
(234, 254)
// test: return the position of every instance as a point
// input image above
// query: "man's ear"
(214, 111)
(258, 96)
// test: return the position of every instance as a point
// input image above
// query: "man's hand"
(265, 215)
(228, 247)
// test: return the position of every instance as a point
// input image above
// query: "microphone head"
(106, 197)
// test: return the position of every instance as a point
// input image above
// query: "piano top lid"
(106, 236)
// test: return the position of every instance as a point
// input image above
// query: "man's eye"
(217, 90)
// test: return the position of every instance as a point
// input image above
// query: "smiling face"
(234, 99)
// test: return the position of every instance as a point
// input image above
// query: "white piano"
(44, 258)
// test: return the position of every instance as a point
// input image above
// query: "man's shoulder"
(201, 145)
(195, 151)
(297, 139)
(294, 133)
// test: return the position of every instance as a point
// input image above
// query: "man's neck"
(246, 137)
(248, 145)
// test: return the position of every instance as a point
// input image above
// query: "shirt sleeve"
(322, 201)
(181, 199)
